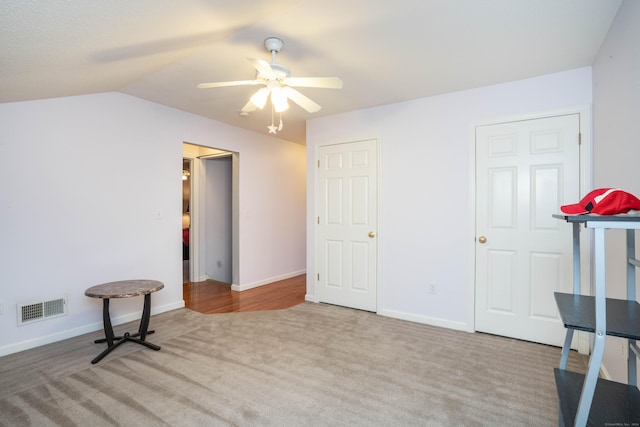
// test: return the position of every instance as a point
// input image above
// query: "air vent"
(36, 311)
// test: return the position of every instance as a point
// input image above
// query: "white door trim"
(197, 246)
(379, 234)
(196, 233)
(586, 183)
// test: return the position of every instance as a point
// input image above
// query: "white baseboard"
(268, 281)
(84, 329)
(427, 320)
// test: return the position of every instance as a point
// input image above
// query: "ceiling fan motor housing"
(280, 71)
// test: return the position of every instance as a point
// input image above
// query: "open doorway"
(210, 214)
(186, 217)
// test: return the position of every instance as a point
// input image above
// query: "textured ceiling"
(385, 51)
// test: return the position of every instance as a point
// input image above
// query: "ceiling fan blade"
(249, 107)
(259, 99)
(225, 84)
(263, 67)
(301, 100)
(321, 82)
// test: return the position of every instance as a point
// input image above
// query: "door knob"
(482, 239)
(372, 234)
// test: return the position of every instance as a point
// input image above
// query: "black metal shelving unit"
(588, 399)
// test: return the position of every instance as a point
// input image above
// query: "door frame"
(379, 234)
(197, 249)
(585, 182)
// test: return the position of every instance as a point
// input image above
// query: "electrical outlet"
(432, 288)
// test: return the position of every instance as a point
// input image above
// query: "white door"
(525, 171)
(347, 220)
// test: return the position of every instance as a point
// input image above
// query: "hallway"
(216, 297)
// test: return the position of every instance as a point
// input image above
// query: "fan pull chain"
(272, 128)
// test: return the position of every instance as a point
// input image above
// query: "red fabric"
(185, 236)
(604, 201)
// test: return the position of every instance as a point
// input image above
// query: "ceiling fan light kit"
(278, 84)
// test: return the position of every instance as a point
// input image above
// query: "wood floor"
(217, 297)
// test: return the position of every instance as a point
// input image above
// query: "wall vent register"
(42, 310)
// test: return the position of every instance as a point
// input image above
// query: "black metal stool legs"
(108, 330)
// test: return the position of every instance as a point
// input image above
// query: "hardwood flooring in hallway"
(211, 296)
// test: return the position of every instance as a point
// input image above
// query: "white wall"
(425, 186)
(90, 192)
(616, 126)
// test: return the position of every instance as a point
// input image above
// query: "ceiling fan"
(278, 83)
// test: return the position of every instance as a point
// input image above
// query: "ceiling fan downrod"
(273, 45)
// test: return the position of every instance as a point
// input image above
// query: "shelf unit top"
(624, 221)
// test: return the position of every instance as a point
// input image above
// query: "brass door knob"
(372, 234)
(482, 239)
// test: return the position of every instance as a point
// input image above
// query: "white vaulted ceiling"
(385, 51)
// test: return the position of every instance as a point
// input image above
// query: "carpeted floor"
(310, 365)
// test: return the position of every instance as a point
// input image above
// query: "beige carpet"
(310, 365)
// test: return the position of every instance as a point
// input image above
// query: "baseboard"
(427, 320)
(268, 281)
(311, 298)
(84, 329)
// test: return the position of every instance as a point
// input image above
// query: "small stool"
(124, 289)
